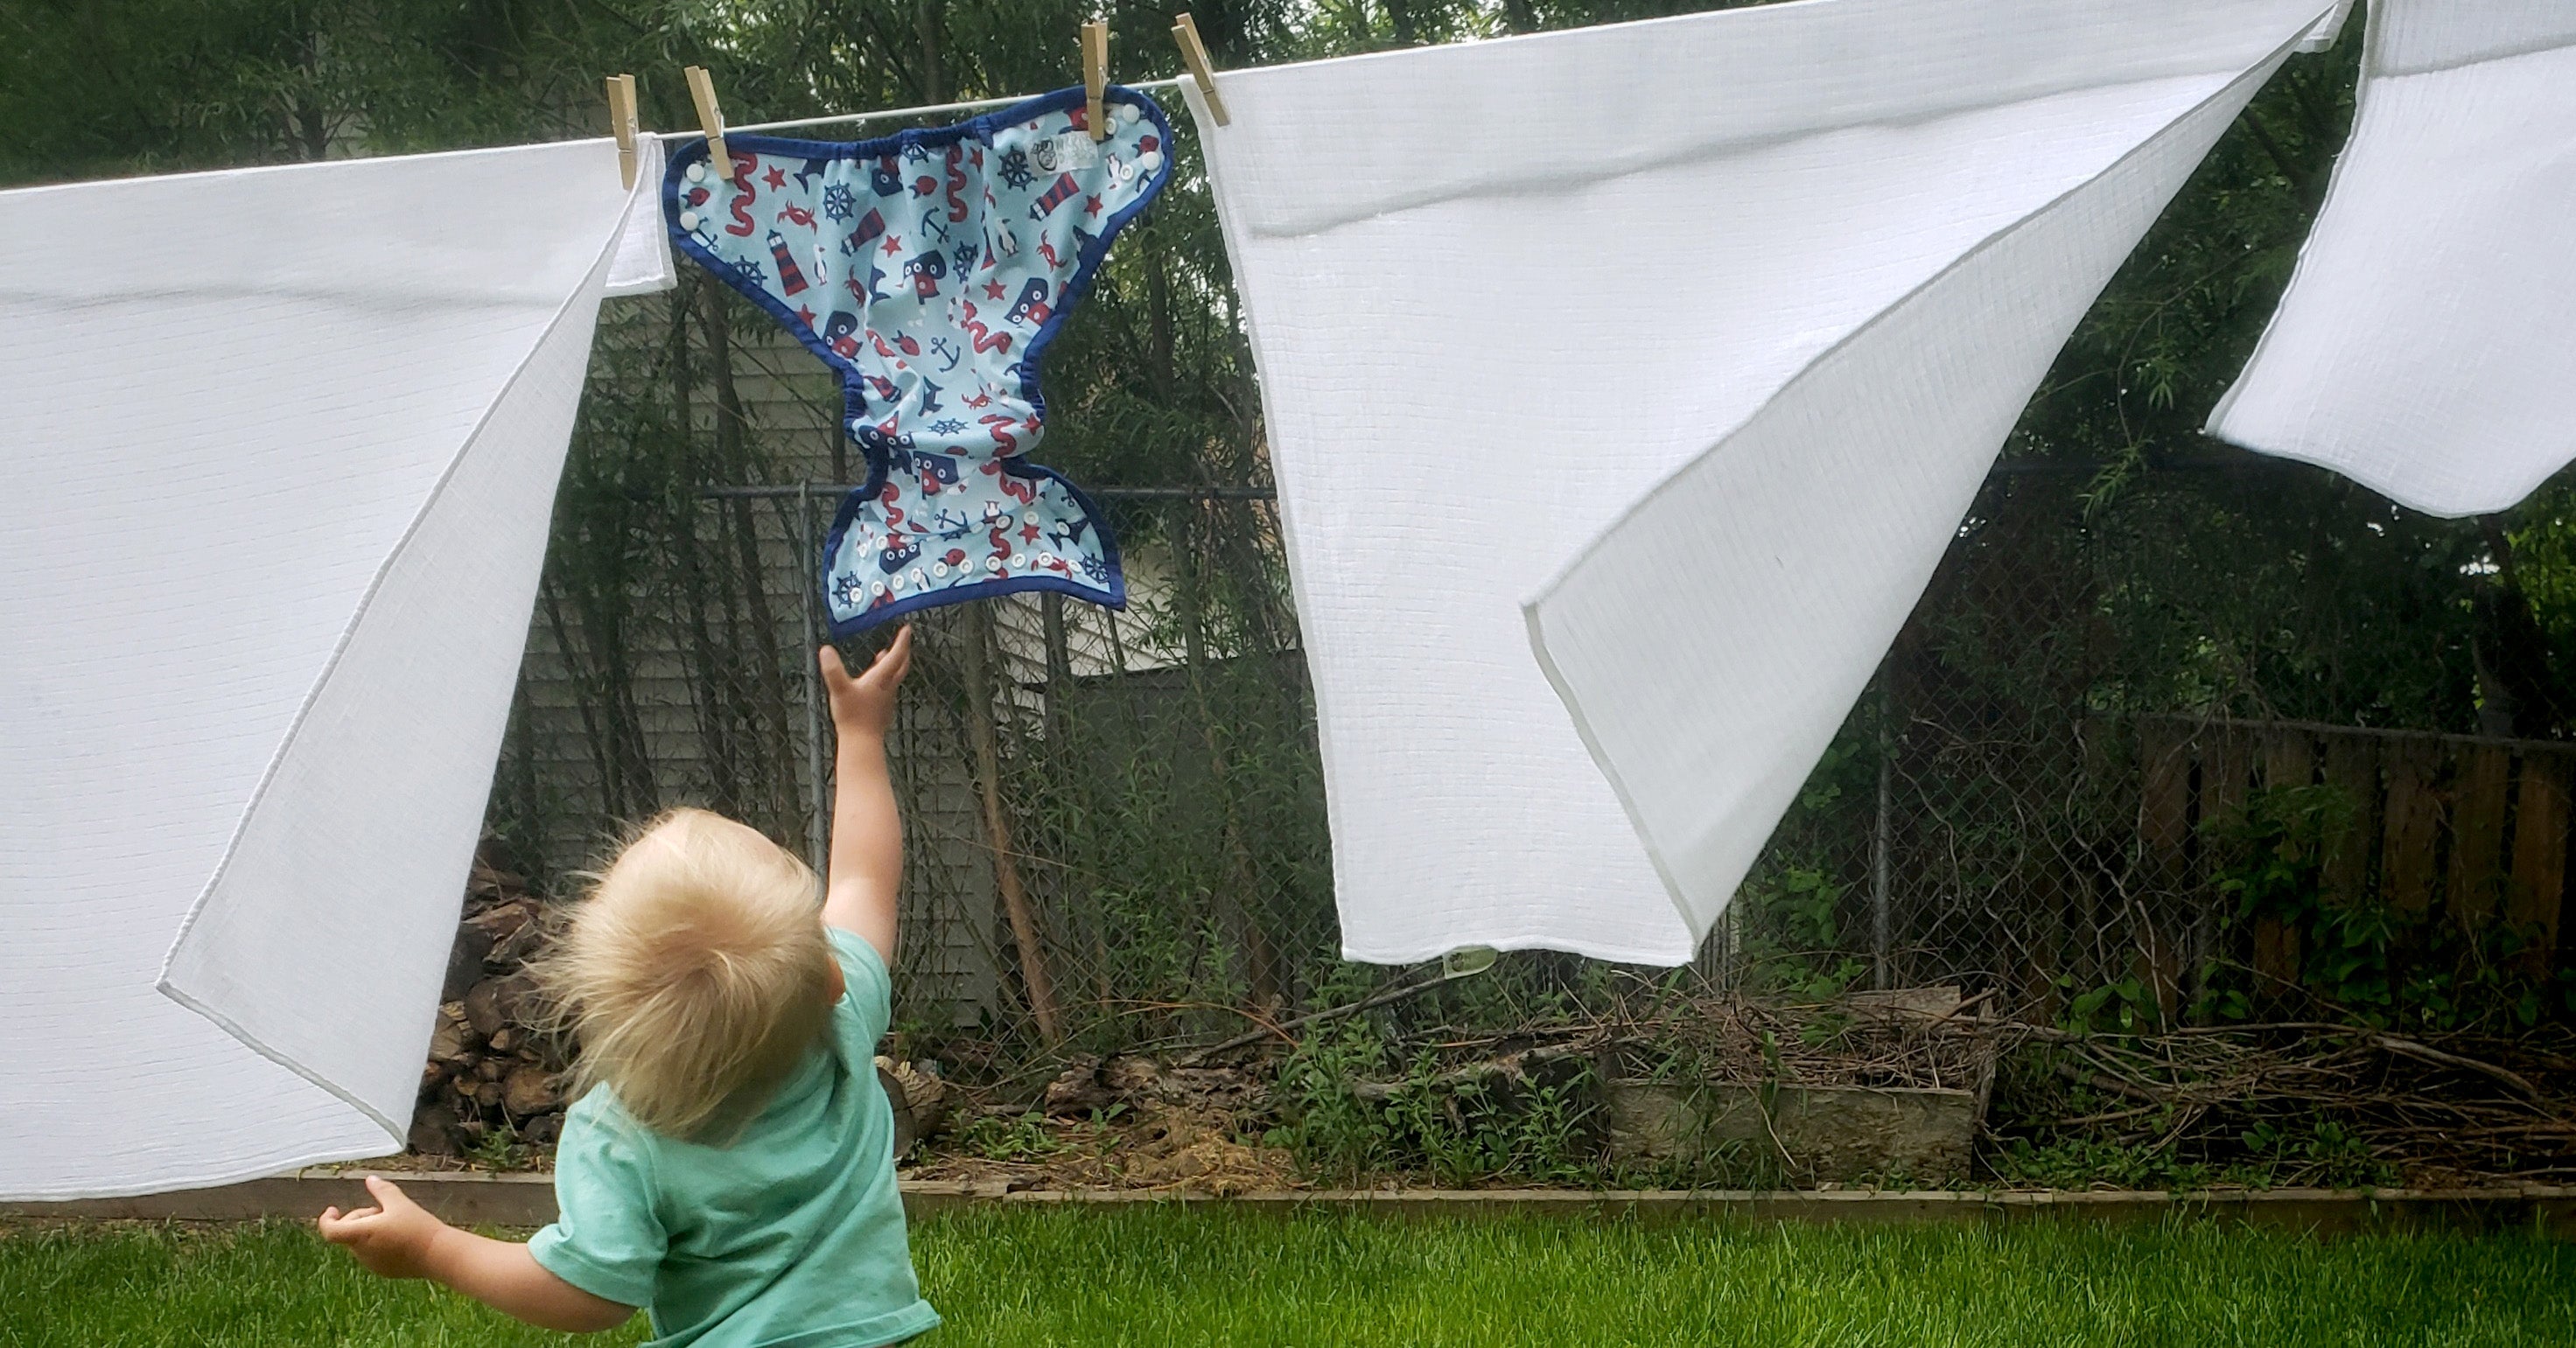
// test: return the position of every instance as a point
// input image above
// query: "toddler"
(729, 1162)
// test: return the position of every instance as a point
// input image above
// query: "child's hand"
(392, 1238)
(865, 705)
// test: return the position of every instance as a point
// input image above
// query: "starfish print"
(1029, 533)
(893, 244)
(776, 177)
(805, 314)
(1091, 205)
(993, 289)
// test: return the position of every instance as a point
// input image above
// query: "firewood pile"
(491, 1064)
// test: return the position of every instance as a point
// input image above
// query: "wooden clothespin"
(703, 91)
(623, 125)
(1185, 31)
(1095, 75)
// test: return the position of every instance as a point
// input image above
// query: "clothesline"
(972, 105)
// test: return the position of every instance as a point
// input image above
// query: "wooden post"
(2414, 824)
(977, 668)
(2539, 858)
(2477, 834)
(2352, 767)
(2289, 762)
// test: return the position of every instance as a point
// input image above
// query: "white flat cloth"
(282, 448)
(1497, 307)
(2427, 344)
(642, 265)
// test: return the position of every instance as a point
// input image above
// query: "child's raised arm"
(867, 832)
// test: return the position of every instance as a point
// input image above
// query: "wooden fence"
(2467, 828)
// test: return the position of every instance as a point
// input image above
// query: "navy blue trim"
(981, 589)
(853, 396)
(958, 594)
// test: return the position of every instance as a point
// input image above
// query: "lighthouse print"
(790, 280)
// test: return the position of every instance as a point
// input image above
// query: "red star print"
(1029, 533)
(893, 244)
(806, 314)
(1091, 205)
(776, 177)
(992, 290)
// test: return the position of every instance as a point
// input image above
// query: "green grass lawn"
(1163, 1278)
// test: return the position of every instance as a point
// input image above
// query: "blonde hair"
(695, 976)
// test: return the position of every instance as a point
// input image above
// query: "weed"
(498, 1149)
(1001, 1137)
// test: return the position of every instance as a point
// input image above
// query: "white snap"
(1150, 160)
(1127, 114)
(688, 220)
(939, 569)
(697, 173)
(992, 563)
(897, 580)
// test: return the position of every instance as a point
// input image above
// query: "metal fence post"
(817, 772)
(1882, 935)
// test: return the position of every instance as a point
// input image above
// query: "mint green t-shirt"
(791, 1235)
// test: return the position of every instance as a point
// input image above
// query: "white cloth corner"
(2329, 30)
(1764, 317)
(282, 448)
(642, 264)
(2425, 346)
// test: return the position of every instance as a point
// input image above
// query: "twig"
(2427, 1053)
(1371, 1002)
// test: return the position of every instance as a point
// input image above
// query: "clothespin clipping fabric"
(702, 90)
(623, 125)
(1185, 31)
(1095, 75)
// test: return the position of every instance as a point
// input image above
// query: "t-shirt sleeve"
(866, 1011)
(607, 1241)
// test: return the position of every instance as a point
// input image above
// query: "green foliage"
(1792, 911)
(2086, 1163)
(1001, 1137)
(2127, 1006)
(2325, 1155)
(1455, 1133)
(498, 1148)
(2358, 955)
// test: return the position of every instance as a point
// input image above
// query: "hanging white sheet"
(1757, 292)
(2426, 347)
(282, 447)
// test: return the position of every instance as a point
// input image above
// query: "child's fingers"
(895, 658)
(833, 671)
(340, 1228)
